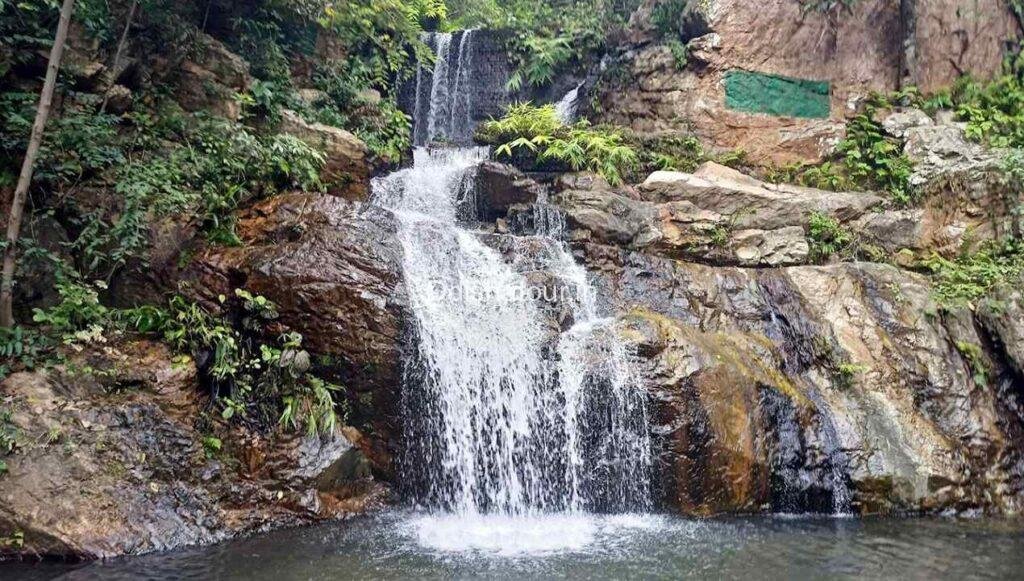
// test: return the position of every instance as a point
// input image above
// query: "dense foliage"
(545, 38)
(536, 134)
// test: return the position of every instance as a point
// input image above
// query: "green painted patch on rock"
(776, 95)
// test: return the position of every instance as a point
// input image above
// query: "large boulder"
(715, 215)
(499, 187)
(333, 268)
(113, 457)
(210, 79)
(347, 170)
(817, 388)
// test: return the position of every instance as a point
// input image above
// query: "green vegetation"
(866, 159)
(256, 379)
(994, 111)
(828, 237)
(975, 357)
(963, 281)
(535, 136)
(846, 374)
(544, 38)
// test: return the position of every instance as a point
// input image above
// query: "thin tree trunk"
(119, 52)
(25, 178)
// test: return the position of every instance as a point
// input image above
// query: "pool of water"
(399, 545)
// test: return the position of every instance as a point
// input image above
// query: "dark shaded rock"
(333, 268)
(499, 187)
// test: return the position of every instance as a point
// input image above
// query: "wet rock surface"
(111, 460)
(810, 387)
(333, 268)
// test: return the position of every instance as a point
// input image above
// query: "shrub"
(961, 282)
(537, 133)
(827, 237)
(975, 360)
(220, 165)
(869, 157)
(258, 381)
(994, 112)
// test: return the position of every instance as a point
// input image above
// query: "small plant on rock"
(827, 237)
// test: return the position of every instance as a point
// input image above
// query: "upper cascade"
(448, 99)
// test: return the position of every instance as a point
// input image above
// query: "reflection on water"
(400, 545)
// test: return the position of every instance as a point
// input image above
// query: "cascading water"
(443, 108)
(506, 415)
(566, 107)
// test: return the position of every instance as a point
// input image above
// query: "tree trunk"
(118, 53)
(25, 178)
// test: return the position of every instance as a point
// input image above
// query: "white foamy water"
(516, 536)
(566, 107)
(444, 108)
(503, 415)
(517, 422)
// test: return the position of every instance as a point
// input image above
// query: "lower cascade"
(506, 414)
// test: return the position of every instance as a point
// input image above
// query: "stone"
(124, 471)
(782, 247)
(715, 215)
(946, 39)
(333, 268)
(119, 99)
(210, 82)
(499, 187)
(751, 203)
(311, 96)
(942, 152)
(802, 387)
(898, 122)
(347, 170)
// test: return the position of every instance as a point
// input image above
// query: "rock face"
(715, 215)
(776, 78)
(499, 187)
(347, 171)
(209, 82)
(333, 268)
(817, 388)
(112, 462)
(946, 38)
(964, 195)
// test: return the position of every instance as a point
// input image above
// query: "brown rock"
(333, 268)
(347, 171)
(856, 47)
(211, 81)
(111, 462)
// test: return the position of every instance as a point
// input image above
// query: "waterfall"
(566, 107)
(503, 414)
(443, 108)
(518, 400)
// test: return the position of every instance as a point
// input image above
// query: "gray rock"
(499, 187)
(897, 123)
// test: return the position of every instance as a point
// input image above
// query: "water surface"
(402, 545)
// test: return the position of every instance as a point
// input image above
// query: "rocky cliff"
(777, 78)
(782, 377)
